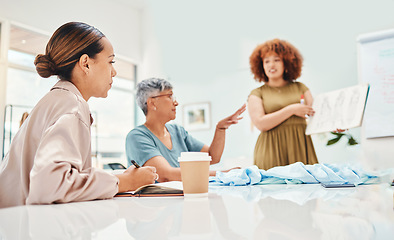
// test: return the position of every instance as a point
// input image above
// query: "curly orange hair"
(291, 57)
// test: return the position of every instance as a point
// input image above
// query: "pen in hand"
(135, 164)
(138, 166)
(302, 101)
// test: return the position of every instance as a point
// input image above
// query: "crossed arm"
(265, 122)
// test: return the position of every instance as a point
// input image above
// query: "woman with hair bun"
(49, 160)
(278, 108)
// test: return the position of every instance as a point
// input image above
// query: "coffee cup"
(195, 173)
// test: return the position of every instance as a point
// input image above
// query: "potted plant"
(339, 134)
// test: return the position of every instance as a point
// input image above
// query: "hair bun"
(45, 66)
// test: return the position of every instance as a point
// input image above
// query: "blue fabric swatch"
(296, 173)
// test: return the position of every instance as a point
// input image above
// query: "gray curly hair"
(148, 88)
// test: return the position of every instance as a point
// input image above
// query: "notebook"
(165, 189)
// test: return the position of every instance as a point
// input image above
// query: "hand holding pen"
(135, 177)
(135, 164)
(302, 109)
(310, 112)
(138, 166)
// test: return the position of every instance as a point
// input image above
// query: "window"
(113, 116)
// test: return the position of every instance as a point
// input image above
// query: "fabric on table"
(296, 173)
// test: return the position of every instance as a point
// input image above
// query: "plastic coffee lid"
(194, 156)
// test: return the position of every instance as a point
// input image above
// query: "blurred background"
(202, 47)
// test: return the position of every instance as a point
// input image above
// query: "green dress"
(286, 143)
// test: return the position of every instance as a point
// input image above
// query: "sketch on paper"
(340, 109)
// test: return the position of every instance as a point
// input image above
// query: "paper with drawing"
(340, 109)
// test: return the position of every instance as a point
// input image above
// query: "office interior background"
(202, 47)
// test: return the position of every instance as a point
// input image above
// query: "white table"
(248, 212)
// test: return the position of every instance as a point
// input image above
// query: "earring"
(154, 108)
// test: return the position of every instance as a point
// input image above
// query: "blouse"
(49, 160)
(142, 145)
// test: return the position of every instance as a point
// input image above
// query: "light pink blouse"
(49, 160)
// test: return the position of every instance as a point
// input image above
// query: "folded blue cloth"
(295, 173)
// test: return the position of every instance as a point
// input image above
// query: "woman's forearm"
(217, 146)
(172, 174)
(269, 121)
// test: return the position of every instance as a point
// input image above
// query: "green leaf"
(334, 140)
(338, 134)
(352, 141)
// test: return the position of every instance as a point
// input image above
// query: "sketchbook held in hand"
(340, 109)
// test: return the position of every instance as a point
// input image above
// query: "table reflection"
(284, 219)
(366, 214)
(249, 212)
(57, 221)
(180, 218)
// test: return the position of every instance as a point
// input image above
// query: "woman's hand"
(230, 120)
(213, 173)
(133, 178)
(228, 170)
(216, 148)
(302, 110)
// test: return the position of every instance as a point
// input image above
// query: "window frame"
(5, 64)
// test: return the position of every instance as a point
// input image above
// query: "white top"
(49, 160)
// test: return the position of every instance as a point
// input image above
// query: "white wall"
(204, 48)
(119, 22)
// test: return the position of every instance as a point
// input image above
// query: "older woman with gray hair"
(159, 144)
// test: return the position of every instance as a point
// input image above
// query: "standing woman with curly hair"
(275, 108)
(49, 160)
